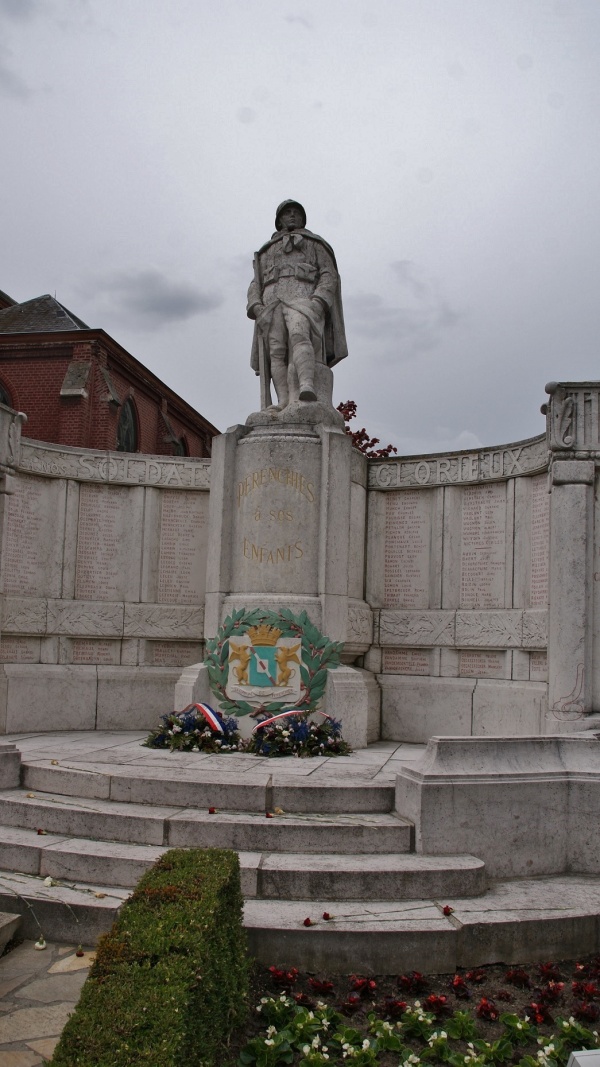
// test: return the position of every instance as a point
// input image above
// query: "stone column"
(573, 429)
(570, 611)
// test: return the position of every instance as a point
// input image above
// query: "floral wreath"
(318, 653)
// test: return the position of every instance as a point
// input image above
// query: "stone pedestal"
(281, 528)
(514, 802)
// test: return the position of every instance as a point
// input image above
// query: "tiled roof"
(44, 314)
(6, 300)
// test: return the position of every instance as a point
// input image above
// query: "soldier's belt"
(304, 272)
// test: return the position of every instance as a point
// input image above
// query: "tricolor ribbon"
(208, 714)
(283, 715)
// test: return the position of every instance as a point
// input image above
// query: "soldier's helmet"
(282, 206)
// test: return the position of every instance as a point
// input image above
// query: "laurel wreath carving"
(318, 653)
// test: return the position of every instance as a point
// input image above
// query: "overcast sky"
(449, 150)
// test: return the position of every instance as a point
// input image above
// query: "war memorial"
(461, 591)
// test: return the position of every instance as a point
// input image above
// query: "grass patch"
(169, 983)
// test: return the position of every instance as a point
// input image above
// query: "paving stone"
(73, 963)
(7, 986)
(45, 1046)
(23, 961)
(52, 988)
(27, 1023)
(21, 1059)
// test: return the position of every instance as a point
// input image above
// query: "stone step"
(520, 921)
(199, 788)
(78, 914)
(292, 876)
(271, 875)
(525, 920)
(170, 826)
(9, 925)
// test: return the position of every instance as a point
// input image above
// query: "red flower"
(41, 831)
(364, 986)
(413, 982)
(351, 1003)
(503, 994)
(268, 815)
(459, 987)
(447, 910)
(586, 1012)
(212, 811)
(308, 922)
(284, 979)
(549, 971)
(486, 1009)
(476, 975)
(586, 990)
(539, 1013)
(394, 1008)
(551, 991)
(437, 1004)
(304, 1000)
(320, 986)
(327, 916)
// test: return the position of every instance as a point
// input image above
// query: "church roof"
(43, 314)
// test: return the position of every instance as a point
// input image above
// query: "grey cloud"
(10, 83)
(19, 10)
(416, 323)
(302, 19)
(150, 298)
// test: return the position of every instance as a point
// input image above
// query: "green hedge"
(169, 983)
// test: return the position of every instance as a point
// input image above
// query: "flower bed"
(169, 982)
(487, 1016)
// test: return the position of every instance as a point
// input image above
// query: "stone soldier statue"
(295, 300)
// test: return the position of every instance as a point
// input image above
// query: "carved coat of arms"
(264, 667)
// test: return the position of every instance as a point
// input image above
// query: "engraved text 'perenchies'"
(284, 475)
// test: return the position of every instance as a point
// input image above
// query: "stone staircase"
(333, 845)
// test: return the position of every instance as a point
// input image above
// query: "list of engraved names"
(483, 546)
(101, 547)
(182, 558)
(407, 543)
(27, 530)
(540, 541)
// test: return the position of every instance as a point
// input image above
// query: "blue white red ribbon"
(283, 715)
(209, 715)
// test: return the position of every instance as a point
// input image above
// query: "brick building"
(78, 387)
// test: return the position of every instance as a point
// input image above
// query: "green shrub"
(169, 983)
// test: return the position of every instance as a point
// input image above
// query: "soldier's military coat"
(291, 269)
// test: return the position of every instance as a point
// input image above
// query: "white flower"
(271, 1030)
(269, 1041)
(306, 1049)
(366, 1044)
(176, 729)
(316, 1041)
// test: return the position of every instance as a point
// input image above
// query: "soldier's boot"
(279, 376)
(304, 362)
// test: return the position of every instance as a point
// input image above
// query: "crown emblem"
(264, 635)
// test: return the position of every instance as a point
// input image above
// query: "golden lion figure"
(283, 658)
(243, 654)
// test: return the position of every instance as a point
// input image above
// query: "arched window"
(127, 435)
(4, 397)
(180, 447)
